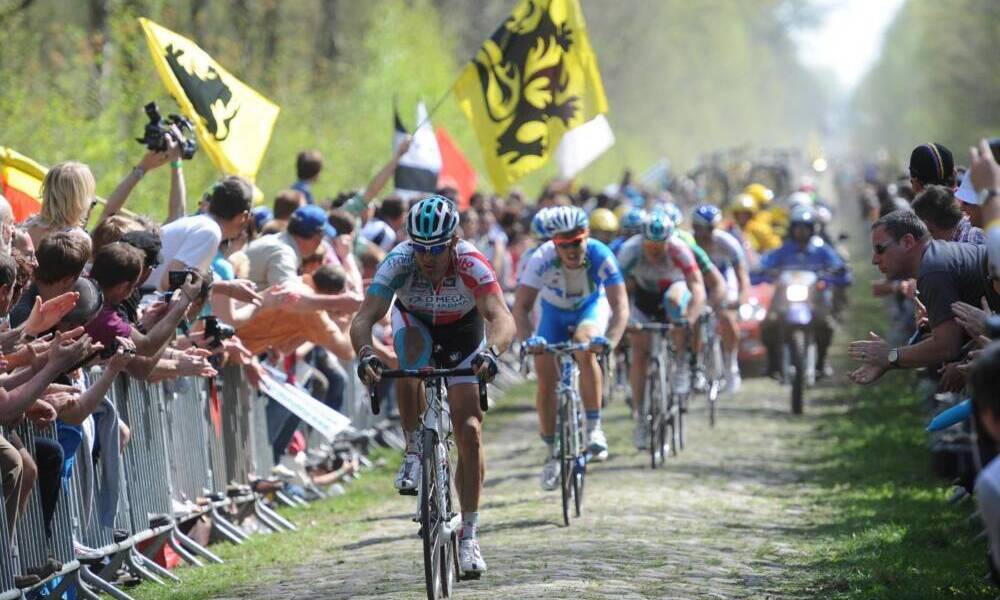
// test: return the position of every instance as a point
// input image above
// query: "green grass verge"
(264, 558)
(880, 525)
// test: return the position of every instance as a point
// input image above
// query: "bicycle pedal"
(412, 492)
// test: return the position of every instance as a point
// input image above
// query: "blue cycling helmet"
(539, 225)
(706, 215)
(432, 220)
(658, 227)
(565, 219)
(673, 212)
(802, 215)
(632, 222)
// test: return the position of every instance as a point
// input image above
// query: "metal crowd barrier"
(195, 451)
(34, 547)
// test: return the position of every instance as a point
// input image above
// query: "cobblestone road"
(719, 521)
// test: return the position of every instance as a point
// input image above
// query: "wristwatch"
(894, 358)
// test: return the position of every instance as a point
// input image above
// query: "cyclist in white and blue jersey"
(728, 256)
(583, 299)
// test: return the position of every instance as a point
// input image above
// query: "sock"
(412, 442)
(734, 363)
(593, 420)
(470, 525)
(550, 442)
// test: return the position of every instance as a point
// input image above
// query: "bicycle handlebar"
(425, 374)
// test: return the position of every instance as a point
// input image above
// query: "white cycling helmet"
(565, 219)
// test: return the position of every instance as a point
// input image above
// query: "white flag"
(581, 145)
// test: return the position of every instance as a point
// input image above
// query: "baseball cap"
(261, 216)
(965, 192)
(309, 220)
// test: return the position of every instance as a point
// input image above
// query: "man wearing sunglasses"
(665, 285)
(446, 295)
(582, 298)
(946, 272)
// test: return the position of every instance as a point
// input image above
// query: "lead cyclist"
(582, 298)
(446, 295)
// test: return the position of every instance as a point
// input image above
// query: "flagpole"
(440, 100)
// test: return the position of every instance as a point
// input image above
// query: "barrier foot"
(154, 567)
(228, 523)
(264, 512)
(264, 520)
(197, 548)
(186, 556)
(223, 528)
(102, 585)
(286, 499)
(141, 571)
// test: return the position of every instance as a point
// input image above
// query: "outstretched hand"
(46, 315)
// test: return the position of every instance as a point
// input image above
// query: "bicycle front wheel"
(435, 513)
(566, 456)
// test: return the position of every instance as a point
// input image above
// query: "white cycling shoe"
(470, 559)
(550, 473)
(598, 446)
(408, 478)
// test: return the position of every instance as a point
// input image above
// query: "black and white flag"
(419, 167)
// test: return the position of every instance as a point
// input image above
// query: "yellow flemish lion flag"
(21, 183)
(532, 81)
(233, 121)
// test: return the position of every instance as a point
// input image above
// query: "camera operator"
(192, 242)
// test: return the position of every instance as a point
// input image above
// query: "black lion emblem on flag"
(209, 95)
(523, 76)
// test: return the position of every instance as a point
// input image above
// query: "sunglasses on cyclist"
(433, 250)
(570, 243)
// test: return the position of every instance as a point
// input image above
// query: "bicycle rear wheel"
(435, 512)
(566, 456)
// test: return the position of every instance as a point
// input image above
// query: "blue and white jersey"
(570, 289)
(726, 251)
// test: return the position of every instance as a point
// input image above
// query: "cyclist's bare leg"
(640, 341)
(729, 330)
(410, 392)
(467, 421)
(545, 395)
(590, 371)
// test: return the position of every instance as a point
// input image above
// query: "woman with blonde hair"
(68, 194)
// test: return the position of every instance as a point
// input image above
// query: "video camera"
(157, 129)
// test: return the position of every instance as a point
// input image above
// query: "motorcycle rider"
(803, 250)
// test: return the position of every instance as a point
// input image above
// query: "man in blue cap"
(277, 258)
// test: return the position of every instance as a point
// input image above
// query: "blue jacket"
(817, 256)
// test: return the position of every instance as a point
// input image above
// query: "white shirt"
(192, 240)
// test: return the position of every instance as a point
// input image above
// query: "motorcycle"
(800, 297)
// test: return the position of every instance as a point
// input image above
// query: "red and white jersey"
(469, 277)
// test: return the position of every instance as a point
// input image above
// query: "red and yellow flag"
(21, 183)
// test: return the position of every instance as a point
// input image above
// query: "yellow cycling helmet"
(604, 220)
(759, 192)
(621, 210)
(744, 203)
